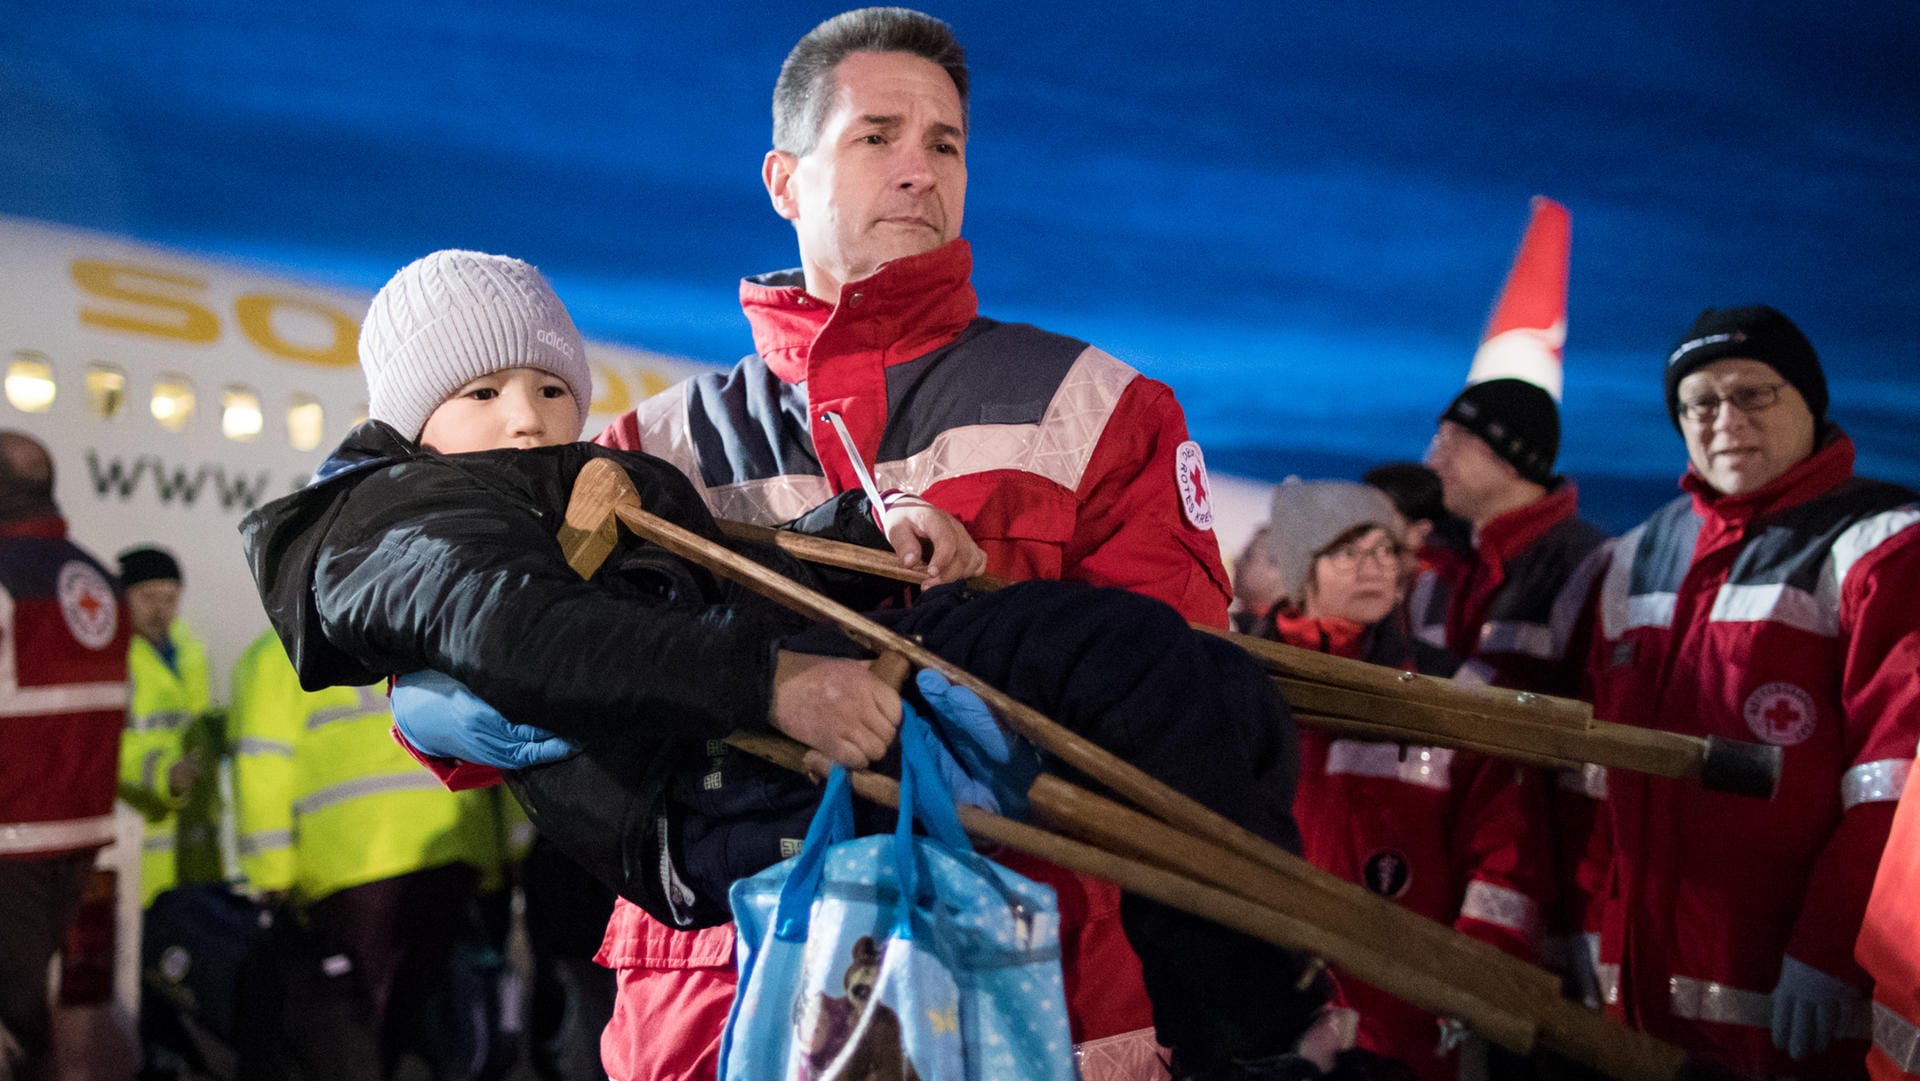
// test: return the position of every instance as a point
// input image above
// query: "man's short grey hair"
(806, 86)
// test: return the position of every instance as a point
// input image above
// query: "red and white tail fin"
(1528, 328)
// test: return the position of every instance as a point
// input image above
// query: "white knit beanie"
(454, 316)
(1310, 515)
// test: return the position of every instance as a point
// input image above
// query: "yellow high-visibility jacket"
(165, 704)
(325, 798)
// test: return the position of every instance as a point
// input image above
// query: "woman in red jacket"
(1428, 827)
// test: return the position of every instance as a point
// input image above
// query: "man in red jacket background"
(1773, 601)
(63, 700)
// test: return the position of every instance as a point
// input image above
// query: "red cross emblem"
(1781, 713)
(1190, 476)
(86, 603)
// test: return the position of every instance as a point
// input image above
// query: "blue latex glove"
(441, 717)
(964, 788)
(1002, 761)
(1808, 1006)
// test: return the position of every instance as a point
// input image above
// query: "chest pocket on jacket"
(1023, 522)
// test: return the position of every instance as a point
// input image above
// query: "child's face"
(513, 409)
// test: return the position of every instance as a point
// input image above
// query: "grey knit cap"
(1310, 515)
(454, 316)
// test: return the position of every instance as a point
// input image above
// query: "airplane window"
(306, 422)
(240, 416)
(29, 383)
(106, 390)
(173, 401)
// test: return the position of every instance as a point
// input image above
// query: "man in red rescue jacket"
(1773, 601)
(63, 701)
(1061, 461)
(1494, 611)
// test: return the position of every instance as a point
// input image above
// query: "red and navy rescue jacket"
(63, 692)
(1785, 615)
(1061, 461)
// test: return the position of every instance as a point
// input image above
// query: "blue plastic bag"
(896, 956)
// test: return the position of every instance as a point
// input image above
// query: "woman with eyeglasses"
(1427, 827)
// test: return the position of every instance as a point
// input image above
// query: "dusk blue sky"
(1298, 215)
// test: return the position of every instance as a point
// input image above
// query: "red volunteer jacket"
(1061, 461)
(1435, 829)
(1785, 615)
(1509, 615)
(63, 692)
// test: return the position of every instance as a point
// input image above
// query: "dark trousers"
(401, 934)
(38, 900)
(572, 998)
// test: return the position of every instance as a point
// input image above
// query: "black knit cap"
(1754, 333)
(1415, 489)
(1517, 419)
(147, 565)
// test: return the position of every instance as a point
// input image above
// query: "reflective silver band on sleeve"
(256, 745)
(1874, 782)
(1589, 780)
(320, 718)
(1608, 976)
(1528, 639)
(1705, 1000)
(1897, 1038)
(1500, 906)
(160, 720)
(263, 842)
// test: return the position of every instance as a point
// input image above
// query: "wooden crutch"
(1365, 701)
(1510, 1013)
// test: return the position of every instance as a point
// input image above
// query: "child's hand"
(835, 706)
(917, 529)
(1000, 761)
(441, 717)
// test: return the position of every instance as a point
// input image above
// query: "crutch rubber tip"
(1740, 768)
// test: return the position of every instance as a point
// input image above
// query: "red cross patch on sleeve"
(1190, 475)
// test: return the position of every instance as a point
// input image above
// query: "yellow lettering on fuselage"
(133, 285)
(255, 312)
(182, 318)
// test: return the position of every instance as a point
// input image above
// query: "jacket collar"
(38, 527)
(371, 443)
(906, 308)
(1828, 466)
(1332, 634)
(1513, 532)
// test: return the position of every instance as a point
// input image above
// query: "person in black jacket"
(437, 554)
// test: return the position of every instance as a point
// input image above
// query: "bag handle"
(832, 824)
(926, 798)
